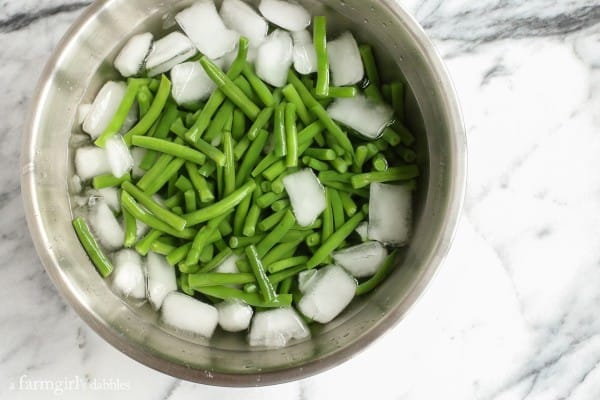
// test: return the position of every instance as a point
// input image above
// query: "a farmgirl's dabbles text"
(252, 180)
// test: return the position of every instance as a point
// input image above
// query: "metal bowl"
(82, 62)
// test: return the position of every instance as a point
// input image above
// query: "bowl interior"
(83, 63)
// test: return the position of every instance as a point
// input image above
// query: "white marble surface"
(512, 313)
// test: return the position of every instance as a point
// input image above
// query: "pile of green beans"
(213, 176)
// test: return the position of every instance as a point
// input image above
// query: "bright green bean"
(145, 244)
(286, 263)
(280, 205)
(174, 257)
(167, 147)
(268, 223)
(265, 163)
(155, 208)
(292, 96)
(251, 220)
(183, 183)
(240, 216)
(217, 124)
(252, 299)
(109, 180)
(303, 92)
(328, 223)
(239, 242)
(364, 193)
(281, 251)
(400, 173)
(229, 171)
(382, 272)
(161, 248)
(285, 286)
(267, 199)
(315, 164)
(239, 124)
(340, 165)
(291, 136)
(207, 169)
(189, 197)
(171, 169)
(217, 260)
(207, 253)
(221, 207)
(199, 183)
(218, 278)
(337, 209)
(314, 239)
(320, 42)
(350, 207)
(251, 158)
(237, 66)
(259, 87)
(343, 91)
(321, 154)
(261, 121)
(274, 237)
(144, 99)
(201, 239)
(91, 247)
(340, 136)
(266, 288)
(197, 130)
(274, 170)
(380, 162)
(368, 59)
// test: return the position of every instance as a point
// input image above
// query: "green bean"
(328, 223)
(274, 170)
(207, 253)
(321, 154)
(407, 137)
(109, 180)
(265, 186)
(380, 162)
(239, 124)
(144, 245)
(266, 288)
(373, 94)
(162, 95)
(177, 210)
(225, 228)
(237, 66)
(153, 84)
(286, 273)
(210, 151)
(217, 278)
(240, 216)
(207, 169)
(279, 149)
(251, 220)
(292, 96)
(239, 242)
(183, 183)
(382, 272)
(276, 234)
(368, 59)
(217, 124)
(286, 263)
(221, 207)
(291, 136)
(171, 189)
(245, 87)
(158, 210)
(197, 130)
(315, 225)
(400, 173)
(339, 150)
(265, 163)
(229, 177)
(154, 172)
(261, 121)
(281, 251)
(347, 188)
(91, 247)
(343, 91)
(188, 269)
(294, 235)
(277, 185)
(240, 148)
(259, 87)
(252, 299)
(315, 164)
(280, 205)
(390, 136)
(129, 204)
(340, 165)
(115, 124)
(230, 89)
(220, 181)
(337, 209)
(171, 169)
(268, 223)
(314, 239)
(144, 99)
(167, 147)
(183, 284)
(267, 199)
(217, 260)
(329, 245)
(303, 92)
(174, 200)
(340, 136)
(201, 239)
(161, 248)
(251, 157)
(199, 183)
(320, 42)
(285, 286)
(250, 287)
(168, 117)
(189, 197)
(398, 99)
(174, 257)
(360, 156)
(350, 207)
(178, 128)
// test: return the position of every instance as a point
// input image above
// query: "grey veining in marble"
(513, 313)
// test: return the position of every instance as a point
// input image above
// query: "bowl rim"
(288, 374)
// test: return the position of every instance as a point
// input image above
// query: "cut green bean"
(342, 91)
(340, 136)
(115, 124)
(267, 199)
(144, 124)
(129, 204)
(167, 147)
(207, 253)
(240, 216)
(261, 121)
(292, 96)
(281, 251)
(241, 147)
(274, 170)
(321, 154)
(161, 248)
(183, 184)
(266, 288)
(314, 239)
(350, 207)
(382, 272)
(404, 172)
(229, 89)
(251, 220)
(202, 238)
(285, 286)
(109, 180)
(144, 99)
(217, 260)
(259, 87)
(329, 245)
(189, 197)
(160, 180)
(294, 235)
(238, 124)
(269, 223)
(273, 237)
(363, 193)
(291, 136)
(210, 151)
(303, 92)
(286, 273)
(130, 229)
(177, 255)
(155, 208)
(337, 209)
(199, 183)
(279, 144)
(280, 205)
(91, 247)
(407, 137)
(145, 244)
(252, 299)
(174, 200)
(197, 130)
(315, 164)
(217, 278)
(246, 89)
(251, 158)
(229, 177)
(340, 165)
(328, 223)
(218, 122)
(380, 162)
(265, 163)
(237, 66)
(286, 263)
(207, 169)
(221, 207)
(368, 59)
(239, 242)
(320, 43)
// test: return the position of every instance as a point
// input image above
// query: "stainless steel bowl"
(74, 74)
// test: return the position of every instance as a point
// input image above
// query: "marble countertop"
(512, 313)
